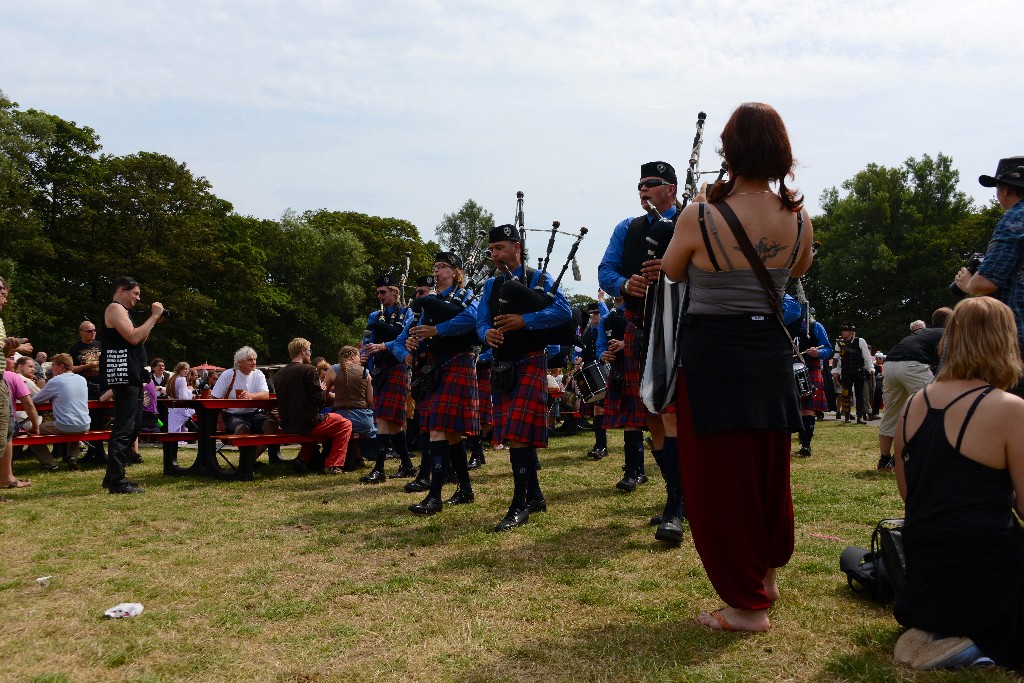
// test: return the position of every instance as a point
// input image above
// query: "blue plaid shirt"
(1004, 263)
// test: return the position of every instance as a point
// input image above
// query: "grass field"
(310, 579)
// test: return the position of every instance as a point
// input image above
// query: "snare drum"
(592, 381)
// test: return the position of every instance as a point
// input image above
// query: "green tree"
(459, 232)
(890, 246)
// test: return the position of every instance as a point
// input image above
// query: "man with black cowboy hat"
(629, 266)
(1001, 273)
(390, 377)
(855, 363)
(519, 372)
(449, 406)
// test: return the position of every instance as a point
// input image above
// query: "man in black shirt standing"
(908, 368)
(121, 368)
(85, 354)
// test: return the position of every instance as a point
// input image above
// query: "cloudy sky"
(407, 109)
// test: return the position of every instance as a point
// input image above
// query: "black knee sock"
(476, 447)
(521, 460)
(402, 448)
(460, 463)
(425, 458)
(600, 435)
(372, 451)
(533, 491)
(440, 461)
(633, 444)
(807, 433)
(674, 505)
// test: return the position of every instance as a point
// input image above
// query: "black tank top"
(120, 363)
(945, 489)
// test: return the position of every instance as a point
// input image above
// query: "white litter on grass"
(125, 609)
(43, 581)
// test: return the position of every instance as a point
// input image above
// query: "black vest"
(636, 249)
(121, 363)
(852, 358)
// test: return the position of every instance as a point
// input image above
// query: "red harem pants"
(738, 503)
(338, 430)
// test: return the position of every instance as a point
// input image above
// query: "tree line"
(73, 218)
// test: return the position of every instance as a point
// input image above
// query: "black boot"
(372, 452)
(458, 455)
(440, 459)
(631, 440)
(406, 469)
(476, 447)
(600, 448)
(422, 480)
(806, 434)
(670, 528)
(519, 510)
(534, 496)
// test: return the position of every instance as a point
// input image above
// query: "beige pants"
(42, 453)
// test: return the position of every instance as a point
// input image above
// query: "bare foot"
(17, 484)
(732, 619)
(771, 587)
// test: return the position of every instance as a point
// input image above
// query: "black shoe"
(405, 472)
(849, 419)
(518, 515)
(72, 463)
(861, 420)
(374, 477)
(886, 463)
(126, 487)
(51, 468)
(597, 453)
(804, 452)
(461, 497)
(655, 520)
(537, 505)
(641, 479)
(670, 531)
(627, 484)
(476, 461)
(428, 506)
(390, 454)
(417, 486)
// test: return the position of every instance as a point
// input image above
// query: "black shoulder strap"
(702, 207)
(970, 411)
(758, 267)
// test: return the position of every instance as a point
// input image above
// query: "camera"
(974, 261)
(166, 314)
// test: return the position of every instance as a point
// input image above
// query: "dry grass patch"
(322, 579)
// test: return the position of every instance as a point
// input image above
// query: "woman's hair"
(980, 342)
(347, 352)
(243, 353)
(179, 370)
(755, 145)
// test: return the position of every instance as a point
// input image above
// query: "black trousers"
(856, 382)
(127, 423)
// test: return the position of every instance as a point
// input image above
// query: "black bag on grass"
(880, 572)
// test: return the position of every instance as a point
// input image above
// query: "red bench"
(248, 443)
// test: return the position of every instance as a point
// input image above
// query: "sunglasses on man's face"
(381, 291)
(651, 182)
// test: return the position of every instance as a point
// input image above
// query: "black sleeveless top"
(963, 546)
(121, 363)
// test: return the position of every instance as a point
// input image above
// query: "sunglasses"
(382, 291)
(651, 182)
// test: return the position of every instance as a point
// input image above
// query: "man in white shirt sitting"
(244, 381)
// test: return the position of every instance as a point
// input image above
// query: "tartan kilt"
(390, 402)
(624, 409)
(455, 408)
(522, 416)
(817, 401)
(483, 391)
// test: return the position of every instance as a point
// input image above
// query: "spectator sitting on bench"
(26, 367)
(244, 381)
(68, 395)
(300, 398)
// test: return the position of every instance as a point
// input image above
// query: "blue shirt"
(462, 323)
(556, 313)
(1004, 263)
(609, 272)
(69, 395)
